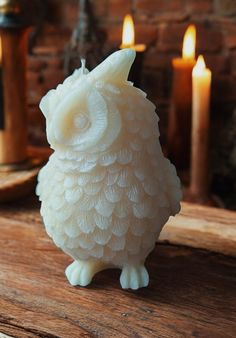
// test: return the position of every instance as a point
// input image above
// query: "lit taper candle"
(201, 76)
(179, 130)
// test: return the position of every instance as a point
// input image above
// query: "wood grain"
(191, 293)
(17, 184)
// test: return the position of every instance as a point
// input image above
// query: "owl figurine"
(107, 190)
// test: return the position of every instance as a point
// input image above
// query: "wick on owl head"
(83, 63)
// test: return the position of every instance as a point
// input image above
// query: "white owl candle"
(107, 190)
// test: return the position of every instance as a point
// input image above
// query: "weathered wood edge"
(202, 227)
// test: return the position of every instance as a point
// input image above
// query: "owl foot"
(134, 277)
(82, 272)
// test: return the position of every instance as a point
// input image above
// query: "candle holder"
(199, 189)
(86, 41)
(17, 167)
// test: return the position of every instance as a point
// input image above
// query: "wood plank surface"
(191, 294)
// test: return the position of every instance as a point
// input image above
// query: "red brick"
(68, 11)
(225, 7)
(53, 37)
(36, 126)
(224, 88)
(53, 10)
(34, 94)
(146, 34)
(200, 6)
(229, 28)
(152, 6)
(156, 83)
(69, 14)
(218, 64)
(35, 88)
(230, 41)
(99, 8)
(171, 37)
(35, 64)
(169, 17)
(118, 8)
(43, 50)
(54, 62)
(51, 78)
(156, 60)
(157, 16)
(33, 79)
(35, 116)
(209, 37)
(62, 12)
(233, 63)
(55, 42)
(114, 34)
(52, 28)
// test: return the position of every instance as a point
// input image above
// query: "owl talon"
(134, 277)
(82, 272)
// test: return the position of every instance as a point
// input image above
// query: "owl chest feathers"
(117, 200)
(119, 178)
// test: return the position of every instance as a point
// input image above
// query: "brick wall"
(161, 25)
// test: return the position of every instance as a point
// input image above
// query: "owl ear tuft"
(115, 67)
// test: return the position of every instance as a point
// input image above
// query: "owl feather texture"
(107, 190)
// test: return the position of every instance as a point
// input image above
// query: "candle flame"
(128, 35)
(200, 66)
(189, 43)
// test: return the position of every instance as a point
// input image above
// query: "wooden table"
(191, 293)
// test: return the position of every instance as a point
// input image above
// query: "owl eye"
(81, 122)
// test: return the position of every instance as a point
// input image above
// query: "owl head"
(80, 113)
